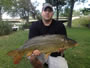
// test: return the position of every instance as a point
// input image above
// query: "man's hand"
(36, 52)
(61, 49)
(35, 61)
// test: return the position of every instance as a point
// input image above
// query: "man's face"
(47, 14)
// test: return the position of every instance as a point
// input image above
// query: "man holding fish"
(46, 26)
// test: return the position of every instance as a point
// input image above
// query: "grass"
(77, 57)
(10, 42)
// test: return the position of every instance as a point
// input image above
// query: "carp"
(46, 44)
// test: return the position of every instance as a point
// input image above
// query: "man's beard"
(47, 20)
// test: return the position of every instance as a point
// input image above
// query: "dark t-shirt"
(38, 28)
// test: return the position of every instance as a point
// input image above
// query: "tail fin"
(15, 54)
(17, 59)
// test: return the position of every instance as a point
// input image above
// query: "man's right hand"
(36, 52)
(34, 60)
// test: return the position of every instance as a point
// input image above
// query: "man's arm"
(64, 30)
(61, 29)
(33, 30)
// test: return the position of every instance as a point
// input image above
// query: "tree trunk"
(27, 19)
(0, 13)
(70, 14)
(57, 11)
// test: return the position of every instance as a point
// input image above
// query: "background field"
(77, 57)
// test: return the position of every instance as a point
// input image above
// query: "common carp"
(46, 44)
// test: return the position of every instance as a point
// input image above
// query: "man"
(44, 27)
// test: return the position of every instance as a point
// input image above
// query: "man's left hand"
(61, 49)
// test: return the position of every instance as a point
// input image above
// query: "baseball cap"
(47, 5)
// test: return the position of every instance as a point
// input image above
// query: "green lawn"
(77, 57)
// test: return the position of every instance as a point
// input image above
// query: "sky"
(39, 7)
(82, 5)
(76, 7)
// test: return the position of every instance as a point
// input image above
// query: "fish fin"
(12, 53)
(17, 59)
(16, 55)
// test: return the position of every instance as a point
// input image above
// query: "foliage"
(68, 10)
(5, 28)
(4, 6)
(85, 11)
(71, 5)
(26, 25)
(65, 12)
(81, 22)
(55, 2)
(76, 13)
(21, 8)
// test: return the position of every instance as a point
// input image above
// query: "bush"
(5, 28)
(26, 25)
(81, 22)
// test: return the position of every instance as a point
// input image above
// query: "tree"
(0, 13)
(4, 5)
(71, 4)
(76, 13)
(22, 8)
(85, 11)
(1, 9)
(65, 11)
